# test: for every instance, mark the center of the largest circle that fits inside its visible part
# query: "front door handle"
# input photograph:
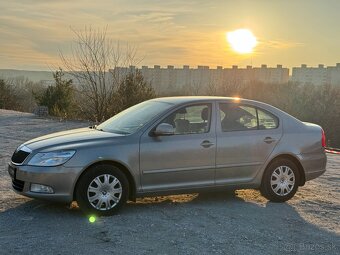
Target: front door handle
(206, 144)
(269, 140)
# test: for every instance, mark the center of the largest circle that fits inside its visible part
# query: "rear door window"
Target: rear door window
(236, 117)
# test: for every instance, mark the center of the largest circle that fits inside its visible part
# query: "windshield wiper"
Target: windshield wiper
(120, 132)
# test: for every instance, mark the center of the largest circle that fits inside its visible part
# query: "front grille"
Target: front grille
(19, 156)
(18, 185)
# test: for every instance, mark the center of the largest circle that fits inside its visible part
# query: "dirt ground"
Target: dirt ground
(240, 222)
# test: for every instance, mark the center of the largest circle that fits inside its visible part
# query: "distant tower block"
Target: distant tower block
(174, 80)
(319, 75)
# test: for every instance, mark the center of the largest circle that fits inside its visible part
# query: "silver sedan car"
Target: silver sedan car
(172, 145)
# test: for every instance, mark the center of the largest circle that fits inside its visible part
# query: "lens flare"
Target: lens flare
(92, 219)
(242, 40)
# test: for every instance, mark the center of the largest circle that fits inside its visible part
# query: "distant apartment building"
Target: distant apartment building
(317, 75)
(170, 79)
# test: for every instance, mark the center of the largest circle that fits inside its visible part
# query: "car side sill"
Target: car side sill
(197, 189)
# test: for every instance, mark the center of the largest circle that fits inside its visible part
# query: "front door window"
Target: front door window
(193, 119)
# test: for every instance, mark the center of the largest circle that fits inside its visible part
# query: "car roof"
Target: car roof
(191, 99)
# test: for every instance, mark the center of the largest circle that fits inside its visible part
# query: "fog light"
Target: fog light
(38, 188)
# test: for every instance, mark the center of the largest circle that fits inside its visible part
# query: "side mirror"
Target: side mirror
(164, 129)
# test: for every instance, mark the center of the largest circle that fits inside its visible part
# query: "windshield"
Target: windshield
(130, 120)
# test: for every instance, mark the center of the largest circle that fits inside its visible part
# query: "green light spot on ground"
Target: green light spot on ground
(92, 219)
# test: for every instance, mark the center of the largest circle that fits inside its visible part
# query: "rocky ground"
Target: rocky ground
(240, 222)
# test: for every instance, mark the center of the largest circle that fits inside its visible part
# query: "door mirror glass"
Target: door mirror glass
(164, 129)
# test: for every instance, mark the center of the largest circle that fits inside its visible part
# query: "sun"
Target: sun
(241, 40)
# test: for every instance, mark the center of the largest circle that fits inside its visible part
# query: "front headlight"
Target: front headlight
(54, 158)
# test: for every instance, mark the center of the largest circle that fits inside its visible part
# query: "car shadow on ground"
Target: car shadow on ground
(197, 223)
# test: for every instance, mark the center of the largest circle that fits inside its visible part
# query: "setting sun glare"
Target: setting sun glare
(241, 40)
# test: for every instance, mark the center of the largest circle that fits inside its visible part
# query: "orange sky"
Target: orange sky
(173, 32)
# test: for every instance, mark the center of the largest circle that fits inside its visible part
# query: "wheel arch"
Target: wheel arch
(295, 160)
(123, 168)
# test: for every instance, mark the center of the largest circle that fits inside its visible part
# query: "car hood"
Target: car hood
(68, 137)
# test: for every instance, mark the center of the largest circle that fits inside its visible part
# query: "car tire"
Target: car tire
(280, 180)
(102, 190)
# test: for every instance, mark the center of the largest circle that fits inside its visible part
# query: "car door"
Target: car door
(186, 158)
(246, 135)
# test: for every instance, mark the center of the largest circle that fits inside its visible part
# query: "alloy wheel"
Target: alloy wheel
(104, 192)
(282, 180)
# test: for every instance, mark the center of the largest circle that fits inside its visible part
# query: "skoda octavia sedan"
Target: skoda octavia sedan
(172, 145)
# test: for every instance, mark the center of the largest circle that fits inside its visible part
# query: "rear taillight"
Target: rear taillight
(323, 138)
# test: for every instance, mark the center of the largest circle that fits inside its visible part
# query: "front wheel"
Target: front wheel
(280, 180)
(102, 190)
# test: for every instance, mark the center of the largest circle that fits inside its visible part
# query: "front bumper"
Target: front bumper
(62, 179)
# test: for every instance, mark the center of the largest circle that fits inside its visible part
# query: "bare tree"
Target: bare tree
(195, 87)
(212, 87)
(232, 86)
(92, 64)
(23, 89)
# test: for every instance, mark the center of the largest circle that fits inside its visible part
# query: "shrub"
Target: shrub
(59, 98)
(8, 98)
(132, 90)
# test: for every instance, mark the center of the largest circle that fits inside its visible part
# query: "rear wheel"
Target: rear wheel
(280, 180)
(102, 190)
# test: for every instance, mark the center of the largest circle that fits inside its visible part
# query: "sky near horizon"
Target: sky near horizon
(177, 32)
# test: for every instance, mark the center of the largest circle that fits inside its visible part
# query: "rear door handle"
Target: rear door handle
(269, 140)
(206, 144)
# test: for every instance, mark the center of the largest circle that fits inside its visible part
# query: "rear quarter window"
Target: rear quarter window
(267, 120)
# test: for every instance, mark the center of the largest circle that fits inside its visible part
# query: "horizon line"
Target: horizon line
(217, 67)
